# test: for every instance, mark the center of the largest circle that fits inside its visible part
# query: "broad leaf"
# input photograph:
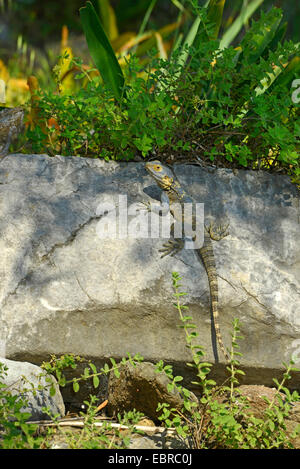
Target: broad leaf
(215, 14)
(101, 50)
(107, 17)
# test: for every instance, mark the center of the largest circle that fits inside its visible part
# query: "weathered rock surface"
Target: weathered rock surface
(142, 388)
(11, 124)
(64, 289)
(161, 440)
(28, 382)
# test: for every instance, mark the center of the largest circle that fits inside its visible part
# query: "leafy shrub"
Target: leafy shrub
(223, 418)
(232, 106)
(15, 431)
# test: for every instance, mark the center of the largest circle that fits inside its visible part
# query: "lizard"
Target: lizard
(174, 195)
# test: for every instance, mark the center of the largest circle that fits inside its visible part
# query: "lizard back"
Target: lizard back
(176, 195)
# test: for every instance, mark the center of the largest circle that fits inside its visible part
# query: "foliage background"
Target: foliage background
(44, 20)
(228, 108)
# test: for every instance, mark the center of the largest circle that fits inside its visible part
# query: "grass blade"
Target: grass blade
(189, 41)
(241, 20)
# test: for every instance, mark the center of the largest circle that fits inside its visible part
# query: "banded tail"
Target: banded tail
(208, 258)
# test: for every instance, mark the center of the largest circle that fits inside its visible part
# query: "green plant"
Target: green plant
(223, 418)
(17, 433)
(236, 104)
(91, 124)
(15, 430)
(91, 436)
(101, 50)
(94, 433)
(56, 366)
(231, 106)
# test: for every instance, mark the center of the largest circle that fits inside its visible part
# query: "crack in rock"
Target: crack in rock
(255, 298)
(70, 239)
(46, 256)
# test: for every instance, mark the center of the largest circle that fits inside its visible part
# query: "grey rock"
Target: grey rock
(63, 289)
(158, 441)
(11, 125)
(142, 388)
(29, 383)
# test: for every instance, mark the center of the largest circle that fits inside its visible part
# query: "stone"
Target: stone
(159, 441)
(142, 388)
(64, 289)
(24, 379)
(11, 125)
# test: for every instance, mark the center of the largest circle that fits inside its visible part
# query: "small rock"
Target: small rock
(21, 378)
(11, 124)
(142, 388)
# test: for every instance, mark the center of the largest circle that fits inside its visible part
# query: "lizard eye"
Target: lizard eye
(157, 167)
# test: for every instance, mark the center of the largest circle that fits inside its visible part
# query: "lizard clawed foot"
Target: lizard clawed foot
(172, 247)
(217, 232)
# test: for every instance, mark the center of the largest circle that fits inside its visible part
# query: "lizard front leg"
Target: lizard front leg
(172, 246)
(159, 208)
(217, 232)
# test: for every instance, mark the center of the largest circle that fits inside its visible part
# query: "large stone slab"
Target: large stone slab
(64, 289)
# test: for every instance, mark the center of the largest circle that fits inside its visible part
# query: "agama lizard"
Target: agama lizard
(174, 195)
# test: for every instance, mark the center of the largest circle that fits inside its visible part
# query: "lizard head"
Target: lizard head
(162, 175)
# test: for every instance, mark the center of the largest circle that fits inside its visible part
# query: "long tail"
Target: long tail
(207, 255)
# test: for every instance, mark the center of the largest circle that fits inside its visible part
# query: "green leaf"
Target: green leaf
(62, 381)
(215, 14)
(75, 386)
(246, 13)
(187, 405)
(185, 50)
(101, 50)
(170, 387)
(96, 381)
(279, 36)
(107, 16)
(260, 35)
(181, 432)
(271, 425)
(291, 70)
(177, 379)
(113, 361)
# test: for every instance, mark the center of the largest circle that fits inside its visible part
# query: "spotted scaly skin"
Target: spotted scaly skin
(176, 195)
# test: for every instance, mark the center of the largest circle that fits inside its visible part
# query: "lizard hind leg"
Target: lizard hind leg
(217, 232)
